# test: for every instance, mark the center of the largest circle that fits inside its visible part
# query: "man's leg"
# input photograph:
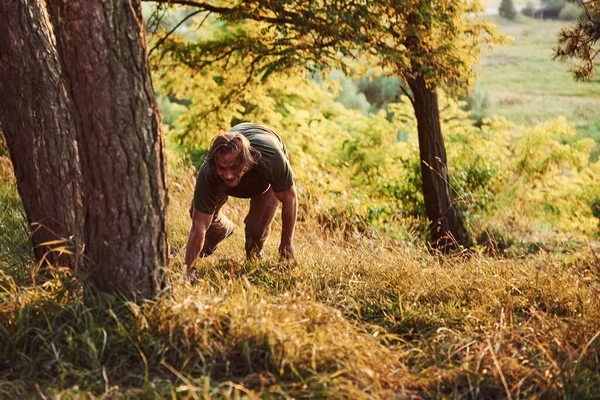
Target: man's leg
(258, 222)
(220, 228)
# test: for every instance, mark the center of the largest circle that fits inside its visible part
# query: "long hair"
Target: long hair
(232, 143)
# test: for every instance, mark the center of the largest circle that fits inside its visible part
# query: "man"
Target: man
(248, 161)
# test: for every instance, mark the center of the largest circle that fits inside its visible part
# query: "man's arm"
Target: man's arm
(289, 210)
(200, 224)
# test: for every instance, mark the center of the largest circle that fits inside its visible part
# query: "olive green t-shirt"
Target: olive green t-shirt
(273, 170)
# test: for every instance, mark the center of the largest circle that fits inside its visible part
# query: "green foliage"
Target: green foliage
(255, 42)
(494, 167)
(372, 150)
(507, 10)
(379, 90)
(349, 94)
(362, 158)
(442, 42)
(372, 161)
(571, 12)
(16, 253)
(553, 4)
(559, 175)
(169, 110)
(478, 104)
(529, 10)
(580, 42)
(552, 8)
(232, 57)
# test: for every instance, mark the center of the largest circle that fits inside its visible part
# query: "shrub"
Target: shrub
(552, 8)
(478, 104)
(571, 12)
(507, 10)
(349, 94)
(169, 110)
(529, 10)
(554, 4)
(379, 90)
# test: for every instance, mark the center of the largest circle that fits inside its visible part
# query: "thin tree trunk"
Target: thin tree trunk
(103, 52)
(447, 227)
(39, 130)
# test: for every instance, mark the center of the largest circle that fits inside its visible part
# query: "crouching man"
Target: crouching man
(249, 161)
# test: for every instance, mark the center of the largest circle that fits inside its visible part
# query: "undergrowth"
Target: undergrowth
(352, 317)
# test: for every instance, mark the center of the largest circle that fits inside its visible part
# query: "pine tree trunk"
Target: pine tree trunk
(102, 47)
(39, 130)
(446, 225)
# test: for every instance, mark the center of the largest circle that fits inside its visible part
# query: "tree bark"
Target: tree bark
(446, 225)
(102, 48)
(39, 131)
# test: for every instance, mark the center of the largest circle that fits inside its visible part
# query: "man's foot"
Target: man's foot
(190, 276)
(255, 255)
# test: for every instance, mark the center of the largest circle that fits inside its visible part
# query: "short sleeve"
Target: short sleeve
(282, 176)
(205, 195)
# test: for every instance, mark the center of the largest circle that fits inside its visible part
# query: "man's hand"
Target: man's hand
(286, 251)
(200, 224)
(289, 210)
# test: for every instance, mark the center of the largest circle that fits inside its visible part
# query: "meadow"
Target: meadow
(367, 309)
(524, 84)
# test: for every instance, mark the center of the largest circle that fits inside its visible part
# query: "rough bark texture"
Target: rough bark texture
(103, 54)
(39, 130)
(447, 228)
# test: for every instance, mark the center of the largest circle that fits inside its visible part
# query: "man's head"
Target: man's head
(230, 157)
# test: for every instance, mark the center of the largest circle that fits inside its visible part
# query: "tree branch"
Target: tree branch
(407, 94)
(198, 4)
(162, 40)
(224, 10)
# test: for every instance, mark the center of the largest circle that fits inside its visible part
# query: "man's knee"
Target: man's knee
(220, 229)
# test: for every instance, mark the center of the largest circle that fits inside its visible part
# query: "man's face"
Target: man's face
(229, 168)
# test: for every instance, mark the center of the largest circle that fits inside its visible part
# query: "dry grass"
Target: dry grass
(351, 318)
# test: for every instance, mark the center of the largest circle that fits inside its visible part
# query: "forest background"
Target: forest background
(368, 310)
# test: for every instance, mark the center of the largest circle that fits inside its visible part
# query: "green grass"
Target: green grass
(526, 86)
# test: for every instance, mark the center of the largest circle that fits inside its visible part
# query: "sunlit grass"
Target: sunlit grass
(351, 318)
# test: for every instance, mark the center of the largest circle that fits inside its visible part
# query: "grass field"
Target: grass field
(352, 318)
(526, 86)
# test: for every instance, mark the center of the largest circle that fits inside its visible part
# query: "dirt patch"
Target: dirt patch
(496, 60)
(510, 101)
